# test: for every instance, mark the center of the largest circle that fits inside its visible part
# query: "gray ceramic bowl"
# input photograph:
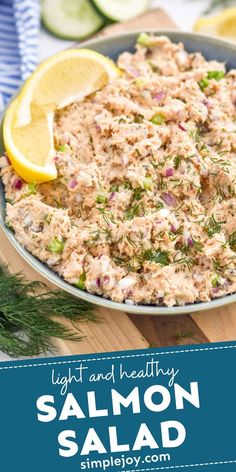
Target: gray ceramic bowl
(212, 49)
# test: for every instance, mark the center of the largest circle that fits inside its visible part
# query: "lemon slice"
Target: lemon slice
(63, 78)
(28, 124)
(223, 24)
(30, 148)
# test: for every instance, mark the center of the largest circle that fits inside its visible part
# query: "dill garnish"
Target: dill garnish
(114, 188)
(189, 262)
(106, 214)
(128, 185)
(177, 160)
(212, 226)
(195, 244)
(159, 205)
(132, 211)
(198, 246)
(157, 256)
(218, 267)
(27, 315)
(130, 241)
(137, 193)
(222, 163)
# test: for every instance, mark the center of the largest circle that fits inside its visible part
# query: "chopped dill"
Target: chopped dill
(128, 185)
(188, 261)
(137, 193)
(177, 160)
(212, 226)
(138, 153)
(196, 244)
(159, 205)
(131, 241)
(114, 188)
(106, 214)
(132, 211)
(161, 184)
(157, 256)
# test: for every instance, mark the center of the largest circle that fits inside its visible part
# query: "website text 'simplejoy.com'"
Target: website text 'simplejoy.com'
(123, 462)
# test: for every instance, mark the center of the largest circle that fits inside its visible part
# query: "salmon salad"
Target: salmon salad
(143, 210)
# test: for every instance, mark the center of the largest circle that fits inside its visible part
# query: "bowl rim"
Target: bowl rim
(54, 278)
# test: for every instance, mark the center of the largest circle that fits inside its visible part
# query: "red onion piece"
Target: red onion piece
(215, 290)
(55, 158)
(159, 96)
(189, 242)
(133, 72)
(98, 128)
(17, 184)
(207, 103)
(181, 126)
(168, 199)
(106, 279)
(169, 172)
(98, 282)
(72, 183)
(173, 228)
(112, 196)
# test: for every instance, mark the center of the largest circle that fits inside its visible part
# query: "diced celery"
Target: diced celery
(81, 281)
(158, 119)
(147, 183)
(56, 246)
(101, 198)
(32, 188)
(145, 39)
(215, 74)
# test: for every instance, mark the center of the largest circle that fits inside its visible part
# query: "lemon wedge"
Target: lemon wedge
(30, 148)
(222, 24)
(28, 125)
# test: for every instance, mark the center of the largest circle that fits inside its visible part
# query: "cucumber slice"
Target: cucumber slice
(71, 19)
(121, 10)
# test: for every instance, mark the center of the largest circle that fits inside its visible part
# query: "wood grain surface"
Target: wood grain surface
(118, 331)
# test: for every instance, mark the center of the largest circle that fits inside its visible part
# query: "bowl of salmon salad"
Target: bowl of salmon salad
(142, 215)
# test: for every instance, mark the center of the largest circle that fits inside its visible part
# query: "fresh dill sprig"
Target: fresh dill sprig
(132, 211)
(28, 312)
(212, 226)
(218, 267)
(107, 215)
(157, 256)
(189, 262)
(137, 193)
(177, 161)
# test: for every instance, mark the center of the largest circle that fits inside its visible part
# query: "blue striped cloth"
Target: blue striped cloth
(19, 32)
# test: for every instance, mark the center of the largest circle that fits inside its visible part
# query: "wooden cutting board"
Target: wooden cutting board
(119, 331)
